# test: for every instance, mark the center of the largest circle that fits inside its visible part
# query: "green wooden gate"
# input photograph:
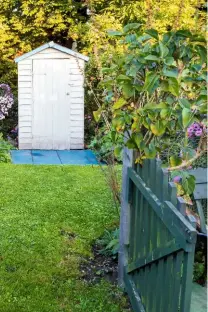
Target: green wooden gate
(159, 253)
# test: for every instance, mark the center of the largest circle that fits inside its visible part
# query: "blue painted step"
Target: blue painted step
(54, 157)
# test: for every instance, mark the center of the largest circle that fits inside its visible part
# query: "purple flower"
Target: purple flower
(190, 132)
(177, 179)
(196, 126)
(198, 133)
(6, 100)
(195, 130)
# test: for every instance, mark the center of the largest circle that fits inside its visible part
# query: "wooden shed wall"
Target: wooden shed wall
(25, 98)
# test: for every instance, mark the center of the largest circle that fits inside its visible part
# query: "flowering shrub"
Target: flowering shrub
(155, 90)
(6, 100)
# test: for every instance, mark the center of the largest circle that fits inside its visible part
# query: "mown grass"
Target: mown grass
(39, 264)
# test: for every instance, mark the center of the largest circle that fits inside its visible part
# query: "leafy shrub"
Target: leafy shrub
(155, 89)
(110, 243)
(5, 147)
(104, 145)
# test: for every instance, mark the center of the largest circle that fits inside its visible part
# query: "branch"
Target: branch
(187, 163)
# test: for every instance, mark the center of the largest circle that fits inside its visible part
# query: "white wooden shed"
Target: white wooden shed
(51, 98)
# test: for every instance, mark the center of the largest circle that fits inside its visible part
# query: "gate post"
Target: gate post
(124, 216)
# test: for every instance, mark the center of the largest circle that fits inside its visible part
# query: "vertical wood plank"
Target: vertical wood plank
(177, 268)
(124, 216)
(160, 284)
(132, 224)
(153, 290)
(172, 190)
(186, 289)
(146, 224)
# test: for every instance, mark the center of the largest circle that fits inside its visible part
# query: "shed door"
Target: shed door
(51, 104)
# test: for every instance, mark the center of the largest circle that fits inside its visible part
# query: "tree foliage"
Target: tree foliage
(26, 24)
(155, 89)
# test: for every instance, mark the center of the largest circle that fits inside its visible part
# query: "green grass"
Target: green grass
(39, 266)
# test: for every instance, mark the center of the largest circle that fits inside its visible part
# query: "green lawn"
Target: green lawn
(39, 266)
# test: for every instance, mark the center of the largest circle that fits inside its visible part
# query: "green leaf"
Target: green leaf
(131, 26)
(150, 151)
(118, 151)
(202, 52)
(114, 33)
(173, 86)
(153, 33)
(131, 144)
(152, 58)
(123, 77)
(175, 161)
(138, 88)
(137, 138)
(184, 33)
(153, 106)
(188, 153)
(164, 86)
(164, 113)
(170, 72)
(188, 184)
(130, 38)
(158, 128)
(151, 81)
(185, 103)
(187, 117)
(128, 89)
(97, 114)
(112, 243)
(169, 60)
(120, 103)
(163, 50)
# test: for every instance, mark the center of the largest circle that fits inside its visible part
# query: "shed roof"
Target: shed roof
(51, 45)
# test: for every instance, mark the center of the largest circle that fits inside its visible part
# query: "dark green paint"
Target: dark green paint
(161, 244)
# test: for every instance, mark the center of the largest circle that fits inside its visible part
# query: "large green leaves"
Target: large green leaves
(97, 114)
(153, 33)
(152, 58)
(170, 72)
(185, 103)
(150, 151)
(120, 103)
(115, 33)
(175, 161)
(130, 27)
(163, 50)
(187, 117)
(158, 128)
(151, 82)
(173, 86)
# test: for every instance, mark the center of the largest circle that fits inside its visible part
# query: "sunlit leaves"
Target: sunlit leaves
(175, 161)
(173, 86)
(130, 27)
(120, 103)
(153, 33)
(158, 128)
(151, 82)
(115, 33)
(163, 50)
(187, 117)
(150, 151)
(97, 114)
